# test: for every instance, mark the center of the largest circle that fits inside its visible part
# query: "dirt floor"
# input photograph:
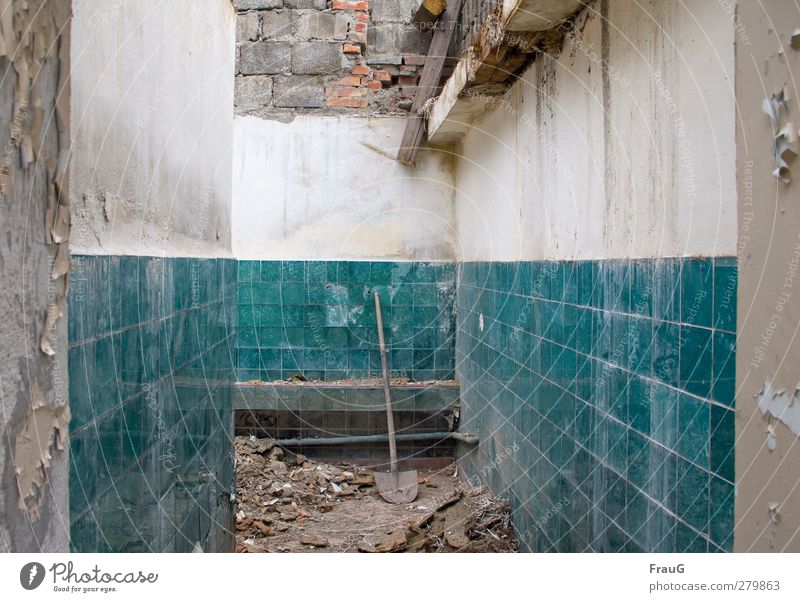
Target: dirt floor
(291, 504)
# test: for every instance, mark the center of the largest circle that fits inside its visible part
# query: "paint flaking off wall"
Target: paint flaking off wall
(779, 404)
(45, 426)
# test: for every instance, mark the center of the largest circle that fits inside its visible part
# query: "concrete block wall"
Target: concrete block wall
(327, 55)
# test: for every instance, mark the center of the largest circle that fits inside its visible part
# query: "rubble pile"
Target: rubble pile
(287, 503)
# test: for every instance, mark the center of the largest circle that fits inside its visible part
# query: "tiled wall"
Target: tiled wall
(317, 318)
(150, 362)
(603, 393)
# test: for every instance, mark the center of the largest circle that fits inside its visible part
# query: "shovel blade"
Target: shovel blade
(397, 487)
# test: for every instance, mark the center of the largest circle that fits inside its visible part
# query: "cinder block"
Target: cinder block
(315, 25)
(393, 11)
(247, 27)
(257, 4)
(381, 39)
(307, 4)
(314, 58)
(252, 92)
(298, 91)
(277, 24)
(413, 41)
(264, 58)
(341, 26)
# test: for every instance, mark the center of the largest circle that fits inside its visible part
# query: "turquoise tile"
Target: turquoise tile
(570, 282)
(721, 510)
(249, 271)
(689, 541)
(293, 271)
(666, 352)
(586, 284)
(642, 273)
(640, 346)
(664, 415)
(616, 281)
(667, 289)
(724, 368)
(696, 360)
(292, 293)
(316, 271)
(269, 271)
(694, 429)
(638, 460)
(640, 399)
(725, 292)
(723, 439)
(693, 495)
(697, 285)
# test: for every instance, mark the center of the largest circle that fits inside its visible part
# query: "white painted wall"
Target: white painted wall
(631, 158)
(152, 115)
(330, 188)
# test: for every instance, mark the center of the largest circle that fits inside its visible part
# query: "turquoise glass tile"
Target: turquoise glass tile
(694, 426)
(696, 360)
(724, 367)
(158, 326)
(614, 404)
(722, 441)
(697, 285)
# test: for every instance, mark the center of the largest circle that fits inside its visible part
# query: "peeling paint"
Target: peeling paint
(45, 427)
(779, 404)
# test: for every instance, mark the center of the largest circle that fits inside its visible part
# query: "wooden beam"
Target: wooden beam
(428, 82)
(428, 14)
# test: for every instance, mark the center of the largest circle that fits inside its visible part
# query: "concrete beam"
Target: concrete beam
(485, 72)
(537, 15)
(459, 105)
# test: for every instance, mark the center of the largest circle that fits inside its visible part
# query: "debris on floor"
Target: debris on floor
(288, 503)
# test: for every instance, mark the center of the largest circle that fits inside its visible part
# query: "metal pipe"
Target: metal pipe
(467, 438)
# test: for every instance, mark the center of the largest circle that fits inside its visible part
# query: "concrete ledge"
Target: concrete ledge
(342, 398)
(537, 15)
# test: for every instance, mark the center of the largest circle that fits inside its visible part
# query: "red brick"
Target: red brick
(348, 103)
(348, 91)
(375, 85)
(348, 80)
(362, 17)
(383, 76)
(361, 27)
(350, 5)
(352, 49)
(407, 80)
(360, 70)
(408, 69)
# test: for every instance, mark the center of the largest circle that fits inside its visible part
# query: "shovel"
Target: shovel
(395, 487)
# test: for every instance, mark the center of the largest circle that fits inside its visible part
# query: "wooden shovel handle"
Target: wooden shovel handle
(386, 393)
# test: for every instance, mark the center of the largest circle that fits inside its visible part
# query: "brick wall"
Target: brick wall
(327, 56)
